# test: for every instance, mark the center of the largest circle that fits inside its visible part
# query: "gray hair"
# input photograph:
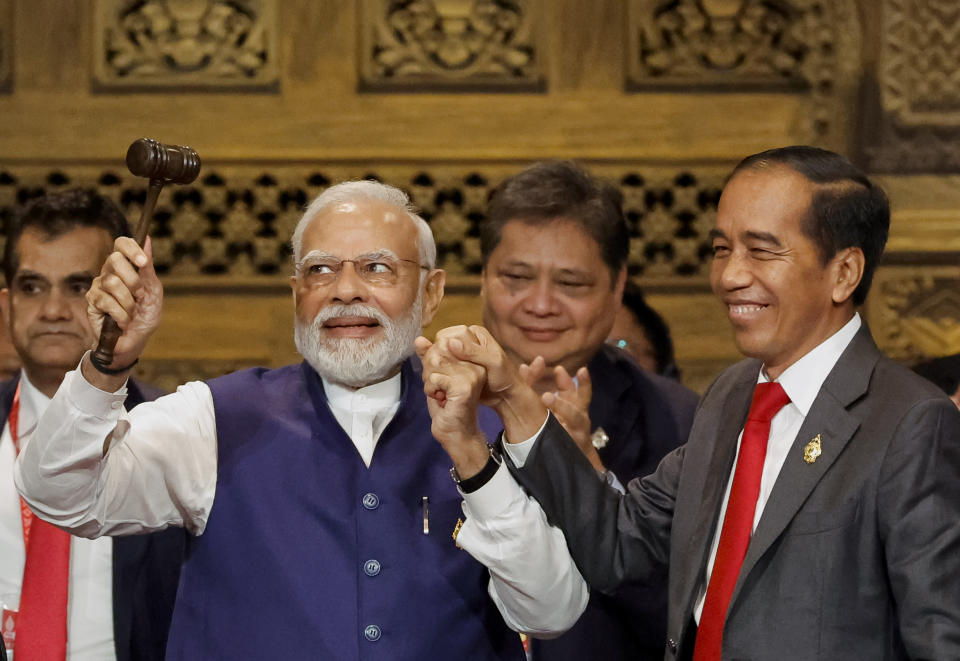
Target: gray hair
(349, 191)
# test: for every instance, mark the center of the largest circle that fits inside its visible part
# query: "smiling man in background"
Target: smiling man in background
(555, 244)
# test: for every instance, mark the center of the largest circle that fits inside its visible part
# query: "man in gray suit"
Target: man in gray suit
(826, 526)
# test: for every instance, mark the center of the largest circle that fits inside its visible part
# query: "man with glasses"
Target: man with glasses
(320, 508)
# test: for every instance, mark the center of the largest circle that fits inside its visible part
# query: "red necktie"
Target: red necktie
(42, 616)
(768, 398)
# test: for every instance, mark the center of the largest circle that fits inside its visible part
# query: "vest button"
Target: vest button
(371, 501)
(372, 633)
(371, 567)
(672, 644)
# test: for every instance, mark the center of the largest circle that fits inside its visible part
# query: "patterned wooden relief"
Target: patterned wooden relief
(237, 220)
(6, 44)
(741, 44)
(918, 76)
(450, 44)
(915, 311)
(146, 44)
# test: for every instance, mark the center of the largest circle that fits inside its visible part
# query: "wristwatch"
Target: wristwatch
(486, 473)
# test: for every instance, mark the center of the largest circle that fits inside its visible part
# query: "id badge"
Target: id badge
(8, 622)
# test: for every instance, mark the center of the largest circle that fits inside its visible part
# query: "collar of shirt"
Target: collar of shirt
(365, 412)
(803, 379)
(32, 405)
(374, 398)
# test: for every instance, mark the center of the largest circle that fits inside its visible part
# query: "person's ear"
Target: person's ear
(619, 285)
(432, 295)
(847, 268)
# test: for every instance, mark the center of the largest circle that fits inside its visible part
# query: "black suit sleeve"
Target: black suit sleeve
(612, 538)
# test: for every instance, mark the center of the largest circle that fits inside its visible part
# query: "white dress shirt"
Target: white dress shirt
(90, 587)
(161, 470)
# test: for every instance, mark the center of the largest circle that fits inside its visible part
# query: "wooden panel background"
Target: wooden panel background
(444, 98)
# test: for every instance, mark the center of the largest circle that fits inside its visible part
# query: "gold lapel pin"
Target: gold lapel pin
(812, 450)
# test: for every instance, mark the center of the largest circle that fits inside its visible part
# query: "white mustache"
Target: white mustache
(352, 310)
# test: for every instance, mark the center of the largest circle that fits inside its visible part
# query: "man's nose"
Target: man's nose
(56, 306)
(541, 299)
(349, 286)
(734, 271)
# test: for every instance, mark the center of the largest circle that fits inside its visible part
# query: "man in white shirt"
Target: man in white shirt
(824, 524)
(320, 507)
(120, 592)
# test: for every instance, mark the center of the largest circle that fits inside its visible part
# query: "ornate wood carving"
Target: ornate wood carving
(450, 44)
(174, 43)
(236, 220)
(917, 101)
(6, 44)
(920, 70)
(699, 42)
(744, 44)
(915, 311)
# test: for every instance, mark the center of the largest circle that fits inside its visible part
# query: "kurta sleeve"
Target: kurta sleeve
(159, 468)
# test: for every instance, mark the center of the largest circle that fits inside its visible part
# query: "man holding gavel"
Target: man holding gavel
(321, 508)
(78, 598)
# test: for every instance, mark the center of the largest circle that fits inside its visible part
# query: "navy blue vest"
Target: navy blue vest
(308, 554)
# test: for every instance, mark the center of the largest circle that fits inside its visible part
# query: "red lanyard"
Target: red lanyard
(26, 515)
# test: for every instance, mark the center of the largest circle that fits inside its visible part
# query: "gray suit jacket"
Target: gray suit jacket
(856, 555)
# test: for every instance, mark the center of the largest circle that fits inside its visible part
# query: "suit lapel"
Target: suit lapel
(609, 385)
(6, 397)
(828, 417)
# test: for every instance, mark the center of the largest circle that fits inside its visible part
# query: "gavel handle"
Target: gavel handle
(110, 332)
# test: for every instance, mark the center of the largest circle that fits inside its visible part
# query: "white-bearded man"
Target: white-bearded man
(321, 508)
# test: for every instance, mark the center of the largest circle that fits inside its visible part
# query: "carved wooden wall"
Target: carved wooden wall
(6, 43)
(175, 45)
(913, 90)
(446, 97)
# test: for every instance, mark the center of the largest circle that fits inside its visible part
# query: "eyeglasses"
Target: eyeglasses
(376, 270)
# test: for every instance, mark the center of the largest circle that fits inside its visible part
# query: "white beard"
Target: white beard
(358, 362)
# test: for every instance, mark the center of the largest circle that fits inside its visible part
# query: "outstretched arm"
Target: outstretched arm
(93, 469)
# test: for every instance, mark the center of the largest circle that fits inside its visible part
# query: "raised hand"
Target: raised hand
(134, 298)
(570, 403)
(453, 390)
(506, 392)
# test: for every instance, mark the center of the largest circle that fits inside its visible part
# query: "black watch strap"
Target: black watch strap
(105, 369)
(486, 474)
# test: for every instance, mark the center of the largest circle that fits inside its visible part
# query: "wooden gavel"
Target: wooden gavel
(160, 163)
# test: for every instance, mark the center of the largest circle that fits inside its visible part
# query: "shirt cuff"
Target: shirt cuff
(614, 482)
(519, 452)
(91, 399)
(495, 496)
